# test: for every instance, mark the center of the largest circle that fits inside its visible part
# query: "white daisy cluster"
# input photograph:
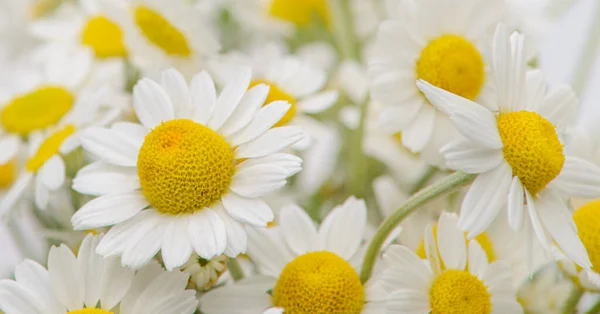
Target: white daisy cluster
(287, 156)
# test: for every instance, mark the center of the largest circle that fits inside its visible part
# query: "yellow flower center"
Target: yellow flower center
(483, 239)
(160, 32)
(459, 292)
(104, 37)
(48, 148)
(587, 220)
(90, 311)
(300, 12)
(37, 109)
(8, 172)
(319, 283)
(531, 147)
(184, 166)
(452, 63)
(276, 93)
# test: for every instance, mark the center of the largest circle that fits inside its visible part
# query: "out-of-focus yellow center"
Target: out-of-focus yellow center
(48, 148)
(587, 220)
(459, 292)
(184, 166)
(90, 311)
(104, 37)
(300, 12)
(39, 8)
(531, 147)
(319, 283)
(36, 110)
(276, 93)
(161, 32)
(8, 173)
(483, 240)
(452, 63)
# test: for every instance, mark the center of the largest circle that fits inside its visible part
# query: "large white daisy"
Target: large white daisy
(457, 279)
(90, 284)
(516, 149)
(191, 175)
(305, 270)
(443, 42)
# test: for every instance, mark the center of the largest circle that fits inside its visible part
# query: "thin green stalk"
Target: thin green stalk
(358, 162)
(571, 304)
(441, 187)
(588, 54)
(235, 269)
(343, 29)
(424, 179)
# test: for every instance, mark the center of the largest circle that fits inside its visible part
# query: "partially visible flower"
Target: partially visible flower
(546, 292)
(205, 273)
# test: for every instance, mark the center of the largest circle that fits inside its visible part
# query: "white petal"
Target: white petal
(16, 299)
(516, 204)
(14, 193)
(175, 86)
(237, 239)
(292, 164)
(108, 210)
(231, 298)
(66, 277)
(318, 103)
(267, 248)
(407, 301)
(263, 121)
(143, 245)
(559, 106)
(42, 194)
(299, 231)
(53, 173)
(431, 250)
(536, 223)
(417, 135)
(152, 105)
(135, 132)
(110, 146)
(252, 211)
(469, 157)
(402, 259)
(343, 230)
(230, 98)
(246, 110)
(35, 278)
(176, 246)
(478, 260)
(579, 177)
(204, 96)
(9, 147)
(115, 241)
(509, 66)
(207, 233)
(536, 90)
(101, 178)
(118, 283)
(272, 141)
(92, 268)
(258, 180)
(451, 242)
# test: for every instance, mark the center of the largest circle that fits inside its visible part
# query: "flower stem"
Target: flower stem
(595, 309)
(441, 187)
(588, 54)
(424, 179)
(343, 29)
(235, 269)
(571, 303)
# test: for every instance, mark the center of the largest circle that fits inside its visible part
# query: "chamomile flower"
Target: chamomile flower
(205, 273)
(458, 279)
(442, 42)
(516, 150)
(164, 33)
(90, 284)
(305, 270)
(191, 175)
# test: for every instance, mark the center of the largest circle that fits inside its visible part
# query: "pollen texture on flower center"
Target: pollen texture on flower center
(36, 110)
(90, 311)
(483, 239)
(531, 147)
(319, 283)
(587, 220)
(454, 64)
(160, 32)
(276, 93)
(459, 292)
(104, 37)
(184, 166)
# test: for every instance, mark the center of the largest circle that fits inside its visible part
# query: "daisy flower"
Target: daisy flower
(191, 175)
(516, 149)
(304, 270)
(442, 42)
(90, 284)
(205, 273)
(163, 33)
(458, 279)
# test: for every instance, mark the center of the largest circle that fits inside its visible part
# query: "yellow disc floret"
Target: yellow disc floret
(276, 93)
(160, 32)
(301, 12)
(459, 292)
(49, 147)
(8, 172)
(104, 37)
(36, 110)
(483, 239)
(319, 283)
(587, 220)
(90, 311)
(531, 147)
(184, 166)
(454, 64)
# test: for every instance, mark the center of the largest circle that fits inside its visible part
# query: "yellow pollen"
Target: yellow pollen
(104, 37)
(454, 64)
(459, 292)
(36, 110)
(8, 173)
(300, 12)
(159, 31)
(587, 220)
(276, 93)
(48, 148)
(531, 147)
(482, 239)
(184, 166)
(319, 283)
(90, 311)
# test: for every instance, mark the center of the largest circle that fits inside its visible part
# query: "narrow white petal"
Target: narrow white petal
(108, 210)
(272, 141)
(509, 68)
(152, 105)
(143, 245)
(405, 301)
(14, 193)
(263, 121)
(110, 146)
(299, 231)
(237, 239)
(417, 135)
(35, 278)
(343, 232)
(9, 147)
(451, 242)
(207, 233)
(536, 223)
(289, 162)
(318, 102)
(16, 299)
(246, 110)
(559, 106)
(42, 194)
(230, 98)
(134, 132)
(258, 180)
(65, 274)
(204, 96)
(176, 88)
(478, 260)
(101, 178)
(469, 157)
(253, 211)
(53, 172)
(116, 239)
(579, 177)
(176, 246)
(516, 204)
(431, 250)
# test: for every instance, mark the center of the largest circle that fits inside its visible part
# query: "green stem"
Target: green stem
(571, 304)
(424, 179)
(235, 269)
(442, 187)
(358, 162)
(595, 309)
(343, 28)
(588, 54)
